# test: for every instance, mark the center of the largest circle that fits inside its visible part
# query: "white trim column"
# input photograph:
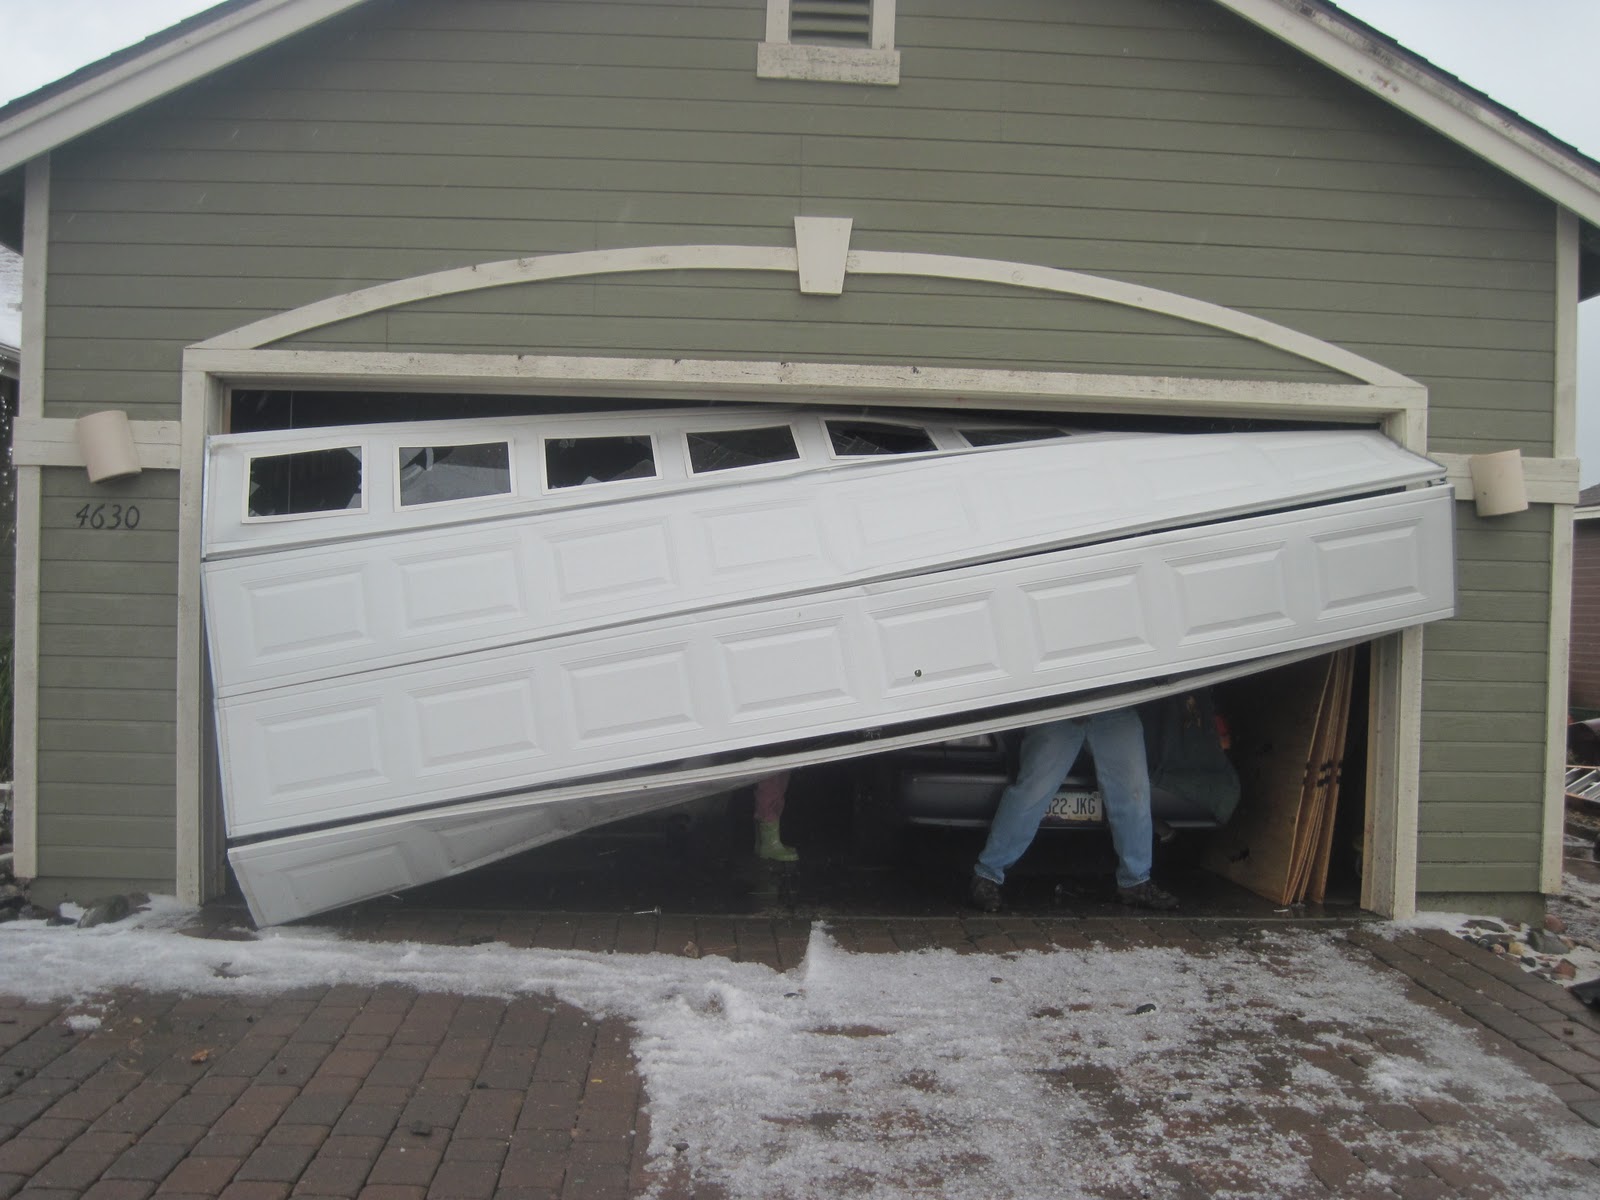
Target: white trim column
(198, 877)
(25, 644)
(1394, 743)
(1565, 445)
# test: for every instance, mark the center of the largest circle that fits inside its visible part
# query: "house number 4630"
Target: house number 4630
(108, 516)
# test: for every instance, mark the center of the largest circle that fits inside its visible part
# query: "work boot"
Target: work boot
(770, 846)
(1147, 895)
(984, 894)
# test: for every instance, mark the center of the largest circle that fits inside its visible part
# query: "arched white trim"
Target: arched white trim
(1095, 287)
(548, 267)
(541, 269)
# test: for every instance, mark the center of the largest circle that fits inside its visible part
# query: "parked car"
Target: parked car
(957, 783)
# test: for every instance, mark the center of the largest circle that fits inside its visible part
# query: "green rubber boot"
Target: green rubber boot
(769, 846)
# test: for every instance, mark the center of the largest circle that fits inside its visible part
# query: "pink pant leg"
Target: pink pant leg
(770, 794)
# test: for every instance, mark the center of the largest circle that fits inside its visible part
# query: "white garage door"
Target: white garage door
(570, 600)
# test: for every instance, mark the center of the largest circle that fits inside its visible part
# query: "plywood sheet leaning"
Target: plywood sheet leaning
(1314, 789)
(1344, 673)
(1274, 718)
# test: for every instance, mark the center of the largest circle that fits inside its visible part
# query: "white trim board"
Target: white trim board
(637, 259)
(53, 442)
(1549, 480)
(25, 629)
(1558, 666)
(818, 383)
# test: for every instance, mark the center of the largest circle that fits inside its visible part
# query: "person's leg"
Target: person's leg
(1117, 740)
(770, 795)
(1048, 752)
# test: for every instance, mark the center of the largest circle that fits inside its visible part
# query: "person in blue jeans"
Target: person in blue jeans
(1048, 752)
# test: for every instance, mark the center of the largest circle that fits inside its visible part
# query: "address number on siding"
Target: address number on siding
(108, 516)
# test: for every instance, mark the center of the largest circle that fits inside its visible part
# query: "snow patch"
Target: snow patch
(924, 1072)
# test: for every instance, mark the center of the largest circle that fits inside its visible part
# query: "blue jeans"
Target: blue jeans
(1048, 752)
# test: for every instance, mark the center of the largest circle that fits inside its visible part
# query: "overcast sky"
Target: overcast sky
(1532, 55)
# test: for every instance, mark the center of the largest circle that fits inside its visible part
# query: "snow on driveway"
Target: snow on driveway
(1062, 1073)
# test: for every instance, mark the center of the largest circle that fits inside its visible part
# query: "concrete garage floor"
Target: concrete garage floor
(698, 861)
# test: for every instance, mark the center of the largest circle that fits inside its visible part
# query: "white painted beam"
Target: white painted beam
(810, 382)
(1550, 480)
(52, 442)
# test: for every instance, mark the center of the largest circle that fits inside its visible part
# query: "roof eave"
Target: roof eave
(169, 64)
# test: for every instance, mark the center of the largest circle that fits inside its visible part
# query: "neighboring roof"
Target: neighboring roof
(1588, 503)
(233, 30)
(10, 361)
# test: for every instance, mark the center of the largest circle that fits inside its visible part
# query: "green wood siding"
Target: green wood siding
(108, 684)
(1160, 142)
(1484, 702)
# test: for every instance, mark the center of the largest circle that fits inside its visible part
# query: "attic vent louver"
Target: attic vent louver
(830, 41)
(831, 22)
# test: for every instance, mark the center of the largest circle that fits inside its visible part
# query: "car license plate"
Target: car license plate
(1075, 808)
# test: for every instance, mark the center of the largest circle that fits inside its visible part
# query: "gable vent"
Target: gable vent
(831, 22)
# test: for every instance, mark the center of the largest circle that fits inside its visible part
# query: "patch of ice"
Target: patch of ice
(916, 1074)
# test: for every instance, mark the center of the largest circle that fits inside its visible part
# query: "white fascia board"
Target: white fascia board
(1434, 101)
(164, 68)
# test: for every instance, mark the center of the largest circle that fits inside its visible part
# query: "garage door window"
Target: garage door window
(438, 474)
(853, 439)
(575, 462)
(1006, 437)
(306, 481)
(729, 449)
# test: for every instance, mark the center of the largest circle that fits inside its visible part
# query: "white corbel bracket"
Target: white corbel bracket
(822, 244)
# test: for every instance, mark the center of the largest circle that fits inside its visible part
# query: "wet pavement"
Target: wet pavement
(386, 1092)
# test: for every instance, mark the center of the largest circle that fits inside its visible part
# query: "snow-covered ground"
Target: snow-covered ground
(1062, 1073)
(1579, 903)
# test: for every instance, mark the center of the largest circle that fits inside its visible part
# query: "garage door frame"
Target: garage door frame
(244, 358)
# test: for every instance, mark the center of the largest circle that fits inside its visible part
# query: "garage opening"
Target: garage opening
(435, 485)
(897, 834)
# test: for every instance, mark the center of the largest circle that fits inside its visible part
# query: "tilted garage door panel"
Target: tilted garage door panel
(843, 660)
(282, 615)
